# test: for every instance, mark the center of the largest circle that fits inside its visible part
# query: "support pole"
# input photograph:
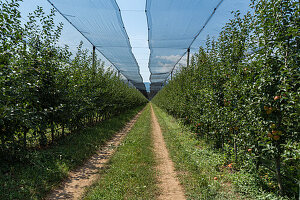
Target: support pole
(188, 57)
(118, 73)
(94, 64)
(171, 74)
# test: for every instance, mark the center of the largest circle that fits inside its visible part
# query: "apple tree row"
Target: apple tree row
(45, 90)
(241, 92)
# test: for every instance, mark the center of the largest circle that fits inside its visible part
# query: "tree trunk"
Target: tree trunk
(52, 132)
(25, 139)
(222, 142)
(43, 139)
(235, 148)
(257, 153)
(278, 173)
(63, 130)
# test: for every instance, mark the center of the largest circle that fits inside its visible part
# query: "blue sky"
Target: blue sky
(135, 22)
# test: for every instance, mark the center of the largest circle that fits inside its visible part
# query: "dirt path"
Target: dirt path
(85, 175)
(168, 183)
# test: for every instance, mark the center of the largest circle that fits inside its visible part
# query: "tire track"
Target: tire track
(73, 187)
(168, 182)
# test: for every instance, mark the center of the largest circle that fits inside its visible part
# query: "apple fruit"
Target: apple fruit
(276, 137)
(277, 97)
(273, 126)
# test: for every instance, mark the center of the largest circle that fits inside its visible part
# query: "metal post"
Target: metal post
(94, 64)
(188, 57)
(171, 74)
(119, 73)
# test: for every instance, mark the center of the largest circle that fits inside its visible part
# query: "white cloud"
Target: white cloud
(170, 58)
(165, 67)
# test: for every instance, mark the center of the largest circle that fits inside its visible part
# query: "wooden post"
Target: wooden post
(188, 57)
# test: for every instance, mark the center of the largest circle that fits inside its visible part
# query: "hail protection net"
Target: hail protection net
(173, 26)
(222, 16)
(100, 22)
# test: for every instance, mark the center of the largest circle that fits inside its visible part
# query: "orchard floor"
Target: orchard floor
(167, 177)
(155, 157)
(168, 186)
(73, 187)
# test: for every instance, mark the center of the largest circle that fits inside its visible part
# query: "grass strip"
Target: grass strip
(130, 173)
(34, 173)
(197, 165)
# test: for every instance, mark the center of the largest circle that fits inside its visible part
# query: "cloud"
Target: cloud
(165, 67)
(170, 58)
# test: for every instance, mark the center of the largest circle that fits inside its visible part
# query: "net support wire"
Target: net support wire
(81, 32)
(195, 37)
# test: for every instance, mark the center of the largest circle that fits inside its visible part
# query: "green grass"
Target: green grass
(32, 174)
(197, 164)
(130, 173)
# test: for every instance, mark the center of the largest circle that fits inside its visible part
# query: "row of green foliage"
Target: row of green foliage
(241, 92)
(36, 172)
(44, 87)
(201, 169)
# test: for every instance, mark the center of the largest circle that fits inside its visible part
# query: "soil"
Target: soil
(169, 185)
(73, 187)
